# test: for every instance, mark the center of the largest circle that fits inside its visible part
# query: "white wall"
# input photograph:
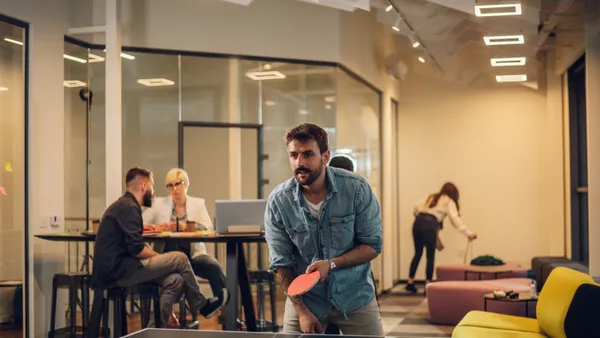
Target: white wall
(501, 146)
(46, 145)
(364, 46)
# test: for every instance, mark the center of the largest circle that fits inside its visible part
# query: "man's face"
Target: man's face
(306, 161)
(148, 193)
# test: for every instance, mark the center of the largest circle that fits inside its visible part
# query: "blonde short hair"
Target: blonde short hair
(177, 174)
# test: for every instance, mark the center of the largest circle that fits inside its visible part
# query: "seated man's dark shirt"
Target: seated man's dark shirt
(118, 242)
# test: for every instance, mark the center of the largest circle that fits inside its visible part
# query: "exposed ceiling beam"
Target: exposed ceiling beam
(551, 24)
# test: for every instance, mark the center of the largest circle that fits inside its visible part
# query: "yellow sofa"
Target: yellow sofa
(552, 306)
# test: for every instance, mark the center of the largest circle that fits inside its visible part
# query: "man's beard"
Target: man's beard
(147, 199)
(309, 176)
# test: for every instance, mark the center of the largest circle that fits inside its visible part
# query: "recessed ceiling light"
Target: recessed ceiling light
(330, 99)
(511, 78)
(327, 106)
(506, 62)
(498, 10)
(16, 42)
(270, 103)
(416, 44)
(3, 89)
(95, 58)
(343, 151)
(504, 40)
(73, 83)
(270, 75)
(155, 82)
(389, 8)
(267, 66)
(73, 58)
(420, 58)
(303, 112)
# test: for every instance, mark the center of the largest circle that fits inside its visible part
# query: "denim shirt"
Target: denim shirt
(350, 216)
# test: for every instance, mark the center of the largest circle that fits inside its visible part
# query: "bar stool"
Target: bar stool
(266, 277)
(118, 296)
(73, 281)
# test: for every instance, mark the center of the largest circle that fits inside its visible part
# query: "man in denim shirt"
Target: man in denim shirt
(328, 220)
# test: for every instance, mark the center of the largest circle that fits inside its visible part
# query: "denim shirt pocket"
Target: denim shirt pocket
(342, 231)
(301, 236)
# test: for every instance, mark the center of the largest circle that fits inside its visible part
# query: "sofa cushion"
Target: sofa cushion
(500, 321)
(482, 332)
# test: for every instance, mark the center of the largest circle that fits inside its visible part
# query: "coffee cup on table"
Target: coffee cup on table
(95, 225)
(190, 226)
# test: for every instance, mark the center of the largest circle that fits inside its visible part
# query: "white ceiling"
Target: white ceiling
(452, 36)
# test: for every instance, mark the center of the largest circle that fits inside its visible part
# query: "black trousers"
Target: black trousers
(425, 230)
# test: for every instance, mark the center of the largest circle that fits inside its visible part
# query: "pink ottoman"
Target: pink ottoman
(450, 301)
(457, 272)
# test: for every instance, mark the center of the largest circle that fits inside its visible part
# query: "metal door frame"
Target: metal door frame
(259, 141)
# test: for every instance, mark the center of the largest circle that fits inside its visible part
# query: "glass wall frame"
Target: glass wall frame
(218, 88)
(14, 179)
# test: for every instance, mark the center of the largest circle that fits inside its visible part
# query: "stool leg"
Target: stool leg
(272, 299)
(157, 315)
(53, 310)
(105, 305)
(117, 320)
(97, 315)
(124, 315)
(85, 305)
(183, 313)
(145, 309)
(73, 309)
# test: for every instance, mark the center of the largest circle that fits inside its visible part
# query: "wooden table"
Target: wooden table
(236, 269)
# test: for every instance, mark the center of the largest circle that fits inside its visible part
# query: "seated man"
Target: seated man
(123, 260)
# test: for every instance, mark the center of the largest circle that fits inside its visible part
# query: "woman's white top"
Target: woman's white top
(444, 207)
(195, 208)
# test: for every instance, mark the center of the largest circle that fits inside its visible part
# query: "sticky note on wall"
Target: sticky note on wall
(2, 191)
(8, 167)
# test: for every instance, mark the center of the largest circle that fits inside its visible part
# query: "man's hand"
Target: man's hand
(321, 266)
(309, 322)
(472, 237)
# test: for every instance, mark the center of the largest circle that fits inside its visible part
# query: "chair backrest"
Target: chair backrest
(582, 317)
(555, 299)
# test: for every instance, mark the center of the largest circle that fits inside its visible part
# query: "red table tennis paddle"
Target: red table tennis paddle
(303, 283)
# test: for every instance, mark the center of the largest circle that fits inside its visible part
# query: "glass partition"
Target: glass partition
(12, 176)
(162, 90)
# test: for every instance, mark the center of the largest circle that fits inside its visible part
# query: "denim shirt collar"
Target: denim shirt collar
(329, 179)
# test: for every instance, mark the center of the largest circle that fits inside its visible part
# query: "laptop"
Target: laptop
(240, 217)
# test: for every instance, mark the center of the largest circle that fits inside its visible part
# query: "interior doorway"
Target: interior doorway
(579, 172)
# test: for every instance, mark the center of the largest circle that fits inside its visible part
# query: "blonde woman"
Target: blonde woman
(164, 213)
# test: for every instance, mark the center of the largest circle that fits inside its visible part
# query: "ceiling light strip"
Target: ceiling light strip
(508, 62)
(511, 78)
(504, 40)
(498, 10)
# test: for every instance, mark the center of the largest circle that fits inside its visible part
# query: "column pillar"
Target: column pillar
(235, 134)
(592, 41)
(114, 144)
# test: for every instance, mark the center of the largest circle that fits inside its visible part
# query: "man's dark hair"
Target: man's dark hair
(309, 131)
(342, 162)
(133, 173)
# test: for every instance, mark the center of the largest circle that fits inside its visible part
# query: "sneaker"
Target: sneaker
(224, 296)
(213, 305)
(411, 288)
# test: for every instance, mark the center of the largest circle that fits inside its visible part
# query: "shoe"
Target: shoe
(224, 296)
(193, 325)
(173, 322)
(411, 288)
(213, 305)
